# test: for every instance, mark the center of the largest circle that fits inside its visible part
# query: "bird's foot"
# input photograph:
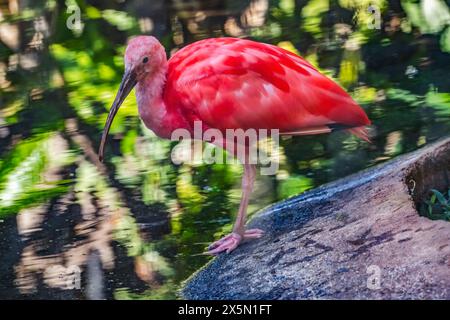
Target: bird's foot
(231, 241)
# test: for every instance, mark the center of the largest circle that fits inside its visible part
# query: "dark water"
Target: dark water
(71, 227)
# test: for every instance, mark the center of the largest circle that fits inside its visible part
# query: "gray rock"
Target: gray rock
(357, 238)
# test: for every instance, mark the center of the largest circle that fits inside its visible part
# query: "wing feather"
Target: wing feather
(236, 83)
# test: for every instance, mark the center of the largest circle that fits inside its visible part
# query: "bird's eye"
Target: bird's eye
(145, 60)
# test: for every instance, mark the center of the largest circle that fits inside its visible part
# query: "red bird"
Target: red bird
(229, 83)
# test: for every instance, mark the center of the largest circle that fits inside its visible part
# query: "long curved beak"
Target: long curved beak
(127, 84)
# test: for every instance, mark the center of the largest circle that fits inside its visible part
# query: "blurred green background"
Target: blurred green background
(135, 227)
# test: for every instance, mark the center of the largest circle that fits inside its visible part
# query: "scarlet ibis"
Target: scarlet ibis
(229, 83)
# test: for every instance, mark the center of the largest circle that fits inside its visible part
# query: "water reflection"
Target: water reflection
(72, 227)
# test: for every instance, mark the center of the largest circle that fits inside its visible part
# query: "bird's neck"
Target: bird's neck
(149, 95)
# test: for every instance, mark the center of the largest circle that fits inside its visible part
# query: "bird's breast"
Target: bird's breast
(156, 115)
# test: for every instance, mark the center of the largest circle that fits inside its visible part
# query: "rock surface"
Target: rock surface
(357, 238)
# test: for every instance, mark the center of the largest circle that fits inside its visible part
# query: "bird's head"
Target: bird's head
(144, 54)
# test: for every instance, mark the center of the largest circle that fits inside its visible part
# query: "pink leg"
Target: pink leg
(231, 241)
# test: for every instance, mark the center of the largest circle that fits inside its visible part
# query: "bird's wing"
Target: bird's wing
(235, 83)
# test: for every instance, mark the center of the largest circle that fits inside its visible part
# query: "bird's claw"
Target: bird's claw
(231, 241)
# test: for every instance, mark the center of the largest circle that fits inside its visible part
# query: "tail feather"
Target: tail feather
(361, 132)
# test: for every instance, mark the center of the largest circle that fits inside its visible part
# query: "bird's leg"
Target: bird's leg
(231, 241)
(248, 180)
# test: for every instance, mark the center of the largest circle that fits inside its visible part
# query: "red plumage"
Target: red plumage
(231, 83)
